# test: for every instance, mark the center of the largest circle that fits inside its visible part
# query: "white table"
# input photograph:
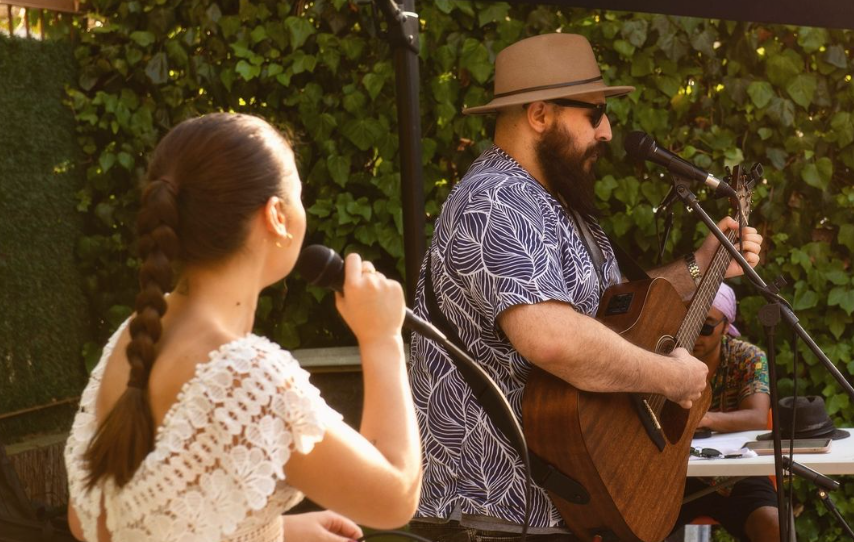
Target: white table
(840, 459)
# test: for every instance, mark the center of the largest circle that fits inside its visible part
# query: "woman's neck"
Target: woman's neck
(225, 296)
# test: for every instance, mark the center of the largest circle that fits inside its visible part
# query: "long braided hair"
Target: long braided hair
(206, 179)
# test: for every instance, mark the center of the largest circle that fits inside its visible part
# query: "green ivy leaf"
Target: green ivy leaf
(374, 84)
(635, 31)
(605, 187)
(837, 403)
(258, 34)
(812, 38)
(760, 93)
(835, 56)
(782, 68)
(846, 236)
(668, 84)
(247, 71)
(157, 69)
(492, 13)
(782, 111)
(642, 65)
(475, 58)
(126, 160)
(339, 169)
(299, 30)
(805, 299)
(811, 176)
(363, 133)
(802, 89)
(143, 39)
(835, 325)
(624, 48)
(106, 161)
(842, 124)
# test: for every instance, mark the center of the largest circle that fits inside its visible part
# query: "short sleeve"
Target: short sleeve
(273, 408)
(753, 365)
(506, 249)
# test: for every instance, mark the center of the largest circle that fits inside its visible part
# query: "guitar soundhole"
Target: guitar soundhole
(665, 345)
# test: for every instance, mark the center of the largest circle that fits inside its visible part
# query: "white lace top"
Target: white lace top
(216, 471)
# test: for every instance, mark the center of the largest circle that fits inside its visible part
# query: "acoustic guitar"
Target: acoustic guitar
(629, 450)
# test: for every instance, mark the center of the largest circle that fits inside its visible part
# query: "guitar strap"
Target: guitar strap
(544, 474)
(628, 266)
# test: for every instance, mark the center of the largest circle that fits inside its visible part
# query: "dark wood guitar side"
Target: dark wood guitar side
(636, 489)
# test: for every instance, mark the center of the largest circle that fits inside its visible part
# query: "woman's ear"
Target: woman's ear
(275, 218)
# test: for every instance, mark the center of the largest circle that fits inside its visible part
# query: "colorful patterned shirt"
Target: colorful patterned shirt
(743, 371)
(501, 240)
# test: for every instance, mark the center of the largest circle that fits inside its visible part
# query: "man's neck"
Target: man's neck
(523, 152)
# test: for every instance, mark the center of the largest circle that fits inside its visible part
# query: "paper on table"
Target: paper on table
(725, 444)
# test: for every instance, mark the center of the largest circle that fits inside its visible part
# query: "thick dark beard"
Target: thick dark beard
(563, 167)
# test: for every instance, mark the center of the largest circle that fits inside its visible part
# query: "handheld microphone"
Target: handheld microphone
(641, 146)
(320, 266)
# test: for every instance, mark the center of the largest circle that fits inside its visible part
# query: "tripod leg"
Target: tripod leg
(824, 496)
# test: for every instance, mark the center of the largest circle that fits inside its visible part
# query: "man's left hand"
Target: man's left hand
(750, 248)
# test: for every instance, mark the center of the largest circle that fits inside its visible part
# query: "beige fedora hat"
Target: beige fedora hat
(545, 67)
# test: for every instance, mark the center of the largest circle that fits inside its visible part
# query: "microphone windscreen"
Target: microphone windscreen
(321, 266)
(638, 144)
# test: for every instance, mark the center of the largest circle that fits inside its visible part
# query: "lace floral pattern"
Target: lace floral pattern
(217, 468)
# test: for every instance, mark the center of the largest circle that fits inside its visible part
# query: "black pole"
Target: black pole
(769, 316)
(403, 30)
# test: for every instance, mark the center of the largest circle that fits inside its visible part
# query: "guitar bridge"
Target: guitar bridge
(650, 422)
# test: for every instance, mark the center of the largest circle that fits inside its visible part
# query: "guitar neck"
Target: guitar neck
(703, 298)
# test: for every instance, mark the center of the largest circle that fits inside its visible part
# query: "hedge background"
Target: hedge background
(718, 92)
(44, 314)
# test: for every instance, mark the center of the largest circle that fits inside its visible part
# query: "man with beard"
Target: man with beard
(517, 266)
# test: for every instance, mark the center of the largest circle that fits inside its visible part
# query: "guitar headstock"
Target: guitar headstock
(743, 181)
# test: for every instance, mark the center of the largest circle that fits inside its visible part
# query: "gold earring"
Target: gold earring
(278, 244)
(289, 236)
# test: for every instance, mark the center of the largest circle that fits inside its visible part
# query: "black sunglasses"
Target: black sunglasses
(595, 117)
(708, 329)
(711, 453)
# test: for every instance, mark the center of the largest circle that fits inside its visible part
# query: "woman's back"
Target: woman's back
(217, 468)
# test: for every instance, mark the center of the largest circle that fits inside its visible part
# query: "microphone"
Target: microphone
(641, 146)
(321, 266)
(807, 473)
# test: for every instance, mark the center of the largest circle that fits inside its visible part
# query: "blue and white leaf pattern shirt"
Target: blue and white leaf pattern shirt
(501, 240)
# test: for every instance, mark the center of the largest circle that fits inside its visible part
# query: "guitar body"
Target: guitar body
(599, 439)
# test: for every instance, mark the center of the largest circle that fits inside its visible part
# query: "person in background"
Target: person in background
(192, 428)
(741, 400)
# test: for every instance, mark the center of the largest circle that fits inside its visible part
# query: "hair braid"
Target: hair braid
(126, 435)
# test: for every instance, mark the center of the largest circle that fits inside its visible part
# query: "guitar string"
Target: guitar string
(688, 331)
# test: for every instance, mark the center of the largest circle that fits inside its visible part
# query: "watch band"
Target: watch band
(693, 268)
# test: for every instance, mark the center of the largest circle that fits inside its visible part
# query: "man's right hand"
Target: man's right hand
(689, 378)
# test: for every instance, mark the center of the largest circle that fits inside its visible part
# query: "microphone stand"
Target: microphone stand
(770, 316)
(824, 485)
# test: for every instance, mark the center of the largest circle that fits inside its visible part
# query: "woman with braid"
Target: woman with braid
(192, 428)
